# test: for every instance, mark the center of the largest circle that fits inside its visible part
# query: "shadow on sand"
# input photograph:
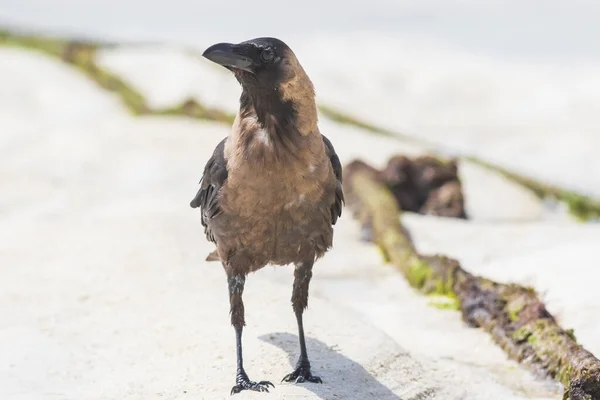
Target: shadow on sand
(340, 371)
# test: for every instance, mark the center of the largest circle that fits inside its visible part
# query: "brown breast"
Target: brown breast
(263, 178)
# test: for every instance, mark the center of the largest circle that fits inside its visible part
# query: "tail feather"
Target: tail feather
(213, 256)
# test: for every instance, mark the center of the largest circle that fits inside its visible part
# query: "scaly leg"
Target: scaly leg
(242, 382)
(302, 276)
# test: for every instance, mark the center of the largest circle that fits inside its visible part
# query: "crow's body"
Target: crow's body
(272, 190)
(276, 213)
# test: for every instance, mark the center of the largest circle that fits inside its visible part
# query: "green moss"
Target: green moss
(565, 373)
(532, 339)
(513, 315)
(445, 302)
(384, 254)
(421, 276)
(419, 272)
(191, 108)
(522, 334)
(52, 47)
(514, 308)
(547, 341)
(584, 208)
(83, 57)
(346, 119)
(446, 286)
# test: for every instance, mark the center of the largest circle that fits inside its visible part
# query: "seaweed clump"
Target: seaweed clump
(424, 184)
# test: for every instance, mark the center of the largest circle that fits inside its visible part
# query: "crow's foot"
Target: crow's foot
(302, 374)
(246, 384)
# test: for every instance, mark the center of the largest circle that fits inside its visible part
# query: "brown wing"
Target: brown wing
(207, 197)
(336, 207)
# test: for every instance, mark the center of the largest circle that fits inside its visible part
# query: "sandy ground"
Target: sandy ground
(105, 293)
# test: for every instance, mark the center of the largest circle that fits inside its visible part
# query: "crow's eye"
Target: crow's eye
(267, 55)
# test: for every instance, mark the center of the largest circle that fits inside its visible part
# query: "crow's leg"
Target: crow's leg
(242, 382)
(302, 276)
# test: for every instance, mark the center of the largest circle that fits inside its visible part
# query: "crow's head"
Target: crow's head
(272, 79)
(262, 61)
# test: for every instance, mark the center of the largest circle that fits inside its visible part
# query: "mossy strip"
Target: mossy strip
(346, 119)
(582, 207)
(513, 315)
(82, 55)
(191, 108)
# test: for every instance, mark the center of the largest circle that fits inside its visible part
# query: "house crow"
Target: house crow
(272, 190)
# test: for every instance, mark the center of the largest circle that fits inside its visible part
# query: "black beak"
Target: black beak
(229, 55)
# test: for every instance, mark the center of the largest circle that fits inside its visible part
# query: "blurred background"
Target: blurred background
(515, 82)
(108, 115)
(553, 31)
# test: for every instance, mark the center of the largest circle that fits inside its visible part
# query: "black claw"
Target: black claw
(302, 375)
(246, 384)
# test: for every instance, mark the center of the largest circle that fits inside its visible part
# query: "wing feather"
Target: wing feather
(336, 207)
(213, 179)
